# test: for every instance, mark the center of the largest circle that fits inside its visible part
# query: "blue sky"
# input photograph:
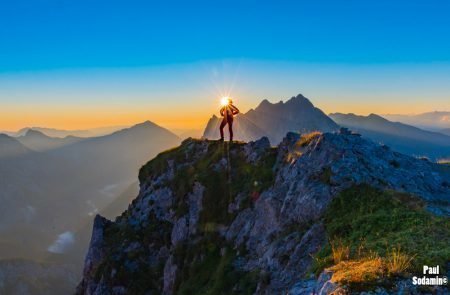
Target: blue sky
(159, 55)
(46, 34)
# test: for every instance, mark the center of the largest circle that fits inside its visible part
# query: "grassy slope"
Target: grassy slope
(371, 223)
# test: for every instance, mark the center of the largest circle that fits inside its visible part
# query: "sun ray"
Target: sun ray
(224, 101)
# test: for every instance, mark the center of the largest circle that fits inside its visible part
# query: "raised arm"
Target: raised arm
(235, 110)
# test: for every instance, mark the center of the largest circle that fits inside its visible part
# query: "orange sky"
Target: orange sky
(185, 96)
(183, 116)
(79, 117)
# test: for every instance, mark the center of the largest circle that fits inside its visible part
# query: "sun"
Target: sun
(224, 101)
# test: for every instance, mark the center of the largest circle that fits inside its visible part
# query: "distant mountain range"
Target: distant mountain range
(401, 137)
(274, 120)
(445, 131)
(50, 188)
(52, 132)
(435, 121)
(11, 147)
(38, 141)
(186, 133)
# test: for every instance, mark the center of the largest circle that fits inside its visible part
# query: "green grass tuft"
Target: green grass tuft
(372, 221)
(208, 271)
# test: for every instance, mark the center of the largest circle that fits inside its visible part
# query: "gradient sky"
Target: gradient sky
(80, 64)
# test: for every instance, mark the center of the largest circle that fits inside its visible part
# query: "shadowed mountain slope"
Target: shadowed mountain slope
(48, 196)
(61, 133)
(430, 121)
(38, 141)
(11, 147)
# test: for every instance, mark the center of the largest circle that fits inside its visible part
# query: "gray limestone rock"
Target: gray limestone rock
(275, 235)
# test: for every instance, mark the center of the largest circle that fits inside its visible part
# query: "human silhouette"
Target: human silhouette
(228, 112)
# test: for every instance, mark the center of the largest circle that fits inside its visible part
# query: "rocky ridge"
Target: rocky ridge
(215, 217)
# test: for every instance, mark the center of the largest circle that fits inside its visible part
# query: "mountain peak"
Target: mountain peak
(299, 101)
(300, 97)
(264, 103)
(147, 123)
(141, 130)
(35, 133)
(375, 116)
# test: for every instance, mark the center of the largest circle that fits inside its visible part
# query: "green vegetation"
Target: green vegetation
(206, 264)
(323, 175)
(223, 181)
(133, 266)
(370, 224)
(224, 184)
(159, 164)
(209, 270)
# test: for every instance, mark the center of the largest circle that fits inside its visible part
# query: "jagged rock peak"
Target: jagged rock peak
(295, 101)
(96, 254)
(300, 100)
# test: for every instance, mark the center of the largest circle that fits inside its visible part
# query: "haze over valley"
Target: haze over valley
(53, 187)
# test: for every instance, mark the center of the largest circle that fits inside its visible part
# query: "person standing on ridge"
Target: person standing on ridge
(228, 111)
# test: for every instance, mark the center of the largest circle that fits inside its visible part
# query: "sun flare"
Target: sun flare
(224, 101)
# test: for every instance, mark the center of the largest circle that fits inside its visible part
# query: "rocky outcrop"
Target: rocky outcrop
(195, 206)
(320, 286)
(94, 257)
(245, 214)
(170, 271)
(179, 231)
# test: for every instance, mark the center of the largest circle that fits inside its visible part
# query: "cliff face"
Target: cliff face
(220, 218)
